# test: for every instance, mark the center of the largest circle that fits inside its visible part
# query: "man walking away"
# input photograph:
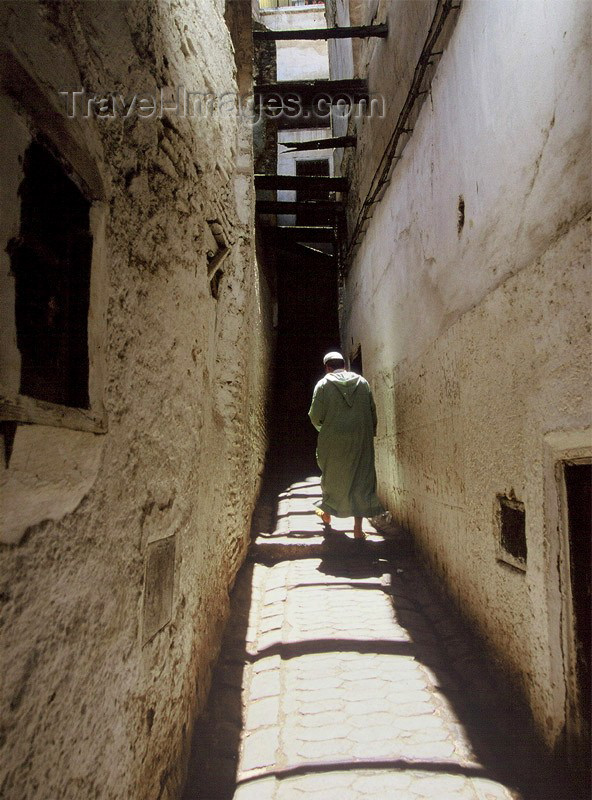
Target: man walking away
(344, 414)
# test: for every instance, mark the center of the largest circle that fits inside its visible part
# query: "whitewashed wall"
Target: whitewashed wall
(476, 340)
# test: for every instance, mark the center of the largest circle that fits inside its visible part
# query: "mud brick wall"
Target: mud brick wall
(124, 526)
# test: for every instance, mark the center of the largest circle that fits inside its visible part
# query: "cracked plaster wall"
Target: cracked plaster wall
(475, 331)
(102, 677)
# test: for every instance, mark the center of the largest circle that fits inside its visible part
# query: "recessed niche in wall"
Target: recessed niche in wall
(578, 495)
(511, 524)
(158, 586)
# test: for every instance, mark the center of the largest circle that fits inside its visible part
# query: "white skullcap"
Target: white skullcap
(333, 356)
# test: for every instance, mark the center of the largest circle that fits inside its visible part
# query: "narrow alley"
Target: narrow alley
(344, 673)
(295, 379)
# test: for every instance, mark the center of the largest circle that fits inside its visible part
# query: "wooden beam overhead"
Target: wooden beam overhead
(300, 94)
(300, 182)
(298, 206)
(305, 121)
(353, 32)
(309, 255)
(303, 233)
(321, 144)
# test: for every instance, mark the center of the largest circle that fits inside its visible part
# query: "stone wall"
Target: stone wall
(469, 296)
(125, 524)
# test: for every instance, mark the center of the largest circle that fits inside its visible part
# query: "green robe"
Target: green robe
(344, 414)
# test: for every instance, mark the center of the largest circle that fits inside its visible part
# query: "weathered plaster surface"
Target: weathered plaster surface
(51, 471)
(93, 705)
(476, 336)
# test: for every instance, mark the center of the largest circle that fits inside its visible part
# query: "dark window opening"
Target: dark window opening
(512, 521)
(51, 263)
(318, 166)
(578, 485)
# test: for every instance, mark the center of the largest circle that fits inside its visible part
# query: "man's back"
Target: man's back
(344, 414)
(342, 402)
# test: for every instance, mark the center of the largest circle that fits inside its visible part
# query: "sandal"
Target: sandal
(326, 518)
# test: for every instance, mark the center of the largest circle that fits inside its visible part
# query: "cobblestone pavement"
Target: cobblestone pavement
(344, 674)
